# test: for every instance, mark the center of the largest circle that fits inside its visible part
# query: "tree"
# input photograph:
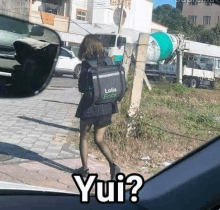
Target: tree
(173, 19)
(161, 12)
(217, 33)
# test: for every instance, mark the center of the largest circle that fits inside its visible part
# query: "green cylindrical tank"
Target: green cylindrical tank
(161, 46)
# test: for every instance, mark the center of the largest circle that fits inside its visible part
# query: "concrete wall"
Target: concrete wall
(15, 8)
(201, 10)
(90, 5)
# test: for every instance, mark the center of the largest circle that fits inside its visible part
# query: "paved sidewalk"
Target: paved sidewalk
(33, 133)
(54, 174)
(37, 127)
(49, 173)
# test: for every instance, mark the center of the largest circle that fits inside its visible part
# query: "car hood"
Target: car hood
(8, 38)
(24, 187)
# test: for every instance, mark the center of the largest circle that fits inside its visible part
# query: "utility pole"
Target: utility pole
(180, 66)
(121, 16)
(139, 77)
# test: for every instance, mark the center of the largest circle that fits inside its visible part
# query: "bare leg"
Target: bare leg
(83, 145)
(98, 138)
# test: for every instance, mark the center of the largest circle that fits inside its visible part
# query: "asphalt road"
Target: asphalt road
(68, 81)
(63, 82)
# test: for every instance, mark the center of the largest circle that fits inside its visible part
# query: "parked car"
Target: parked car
(68, 63)
(9, 33)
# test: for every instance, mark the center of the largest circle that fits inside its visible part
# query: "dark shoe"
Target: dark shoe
(82, 171)
(114, 170)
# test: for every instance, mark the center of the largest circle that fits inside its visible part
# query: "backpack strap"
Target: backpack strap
(92, 63)
(122, 79)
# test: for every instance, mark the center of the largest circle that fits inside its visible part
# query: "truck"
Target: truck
(113, 45)
(198, 70)
(200, 64)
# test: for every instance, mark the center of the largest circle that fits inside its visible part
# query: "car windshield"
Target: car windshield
(75, 50)
(163, 116)
(14, 26)
(107, 40)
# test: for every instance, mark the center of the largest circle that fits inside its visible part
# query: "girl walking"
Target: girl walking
(99, 115)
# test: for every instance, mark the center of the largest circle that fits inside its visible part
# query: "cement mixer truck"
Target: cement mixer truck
(200, 66)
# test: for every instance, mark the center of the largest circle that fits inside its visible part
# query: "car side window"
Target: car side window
(218, 63)
(65, 53)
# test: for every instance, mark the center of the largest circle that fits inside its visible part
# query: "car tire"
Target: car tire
(193, 83)
(213, 85)
(77, 71)
(162, 77)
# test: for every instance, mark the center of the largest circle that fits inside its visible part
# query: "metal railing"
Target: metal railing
(52, 8)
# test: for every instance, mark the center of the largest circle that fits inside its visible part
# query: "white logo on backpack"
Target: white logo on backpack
(112, 90)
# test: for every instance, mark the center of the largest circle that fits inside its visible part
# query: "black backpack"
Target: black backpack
(107, 83)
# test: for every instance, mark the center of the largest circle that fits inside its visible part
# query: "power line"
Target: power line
(80, 26)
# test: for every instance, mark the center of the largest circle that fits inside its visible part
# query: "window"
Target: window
(75, 50)
(107, 40)
(121, 41)
(192, 18)
(193, 2)
(81, 14)
(206, 20)
(65, 53)
(218, 19)
(218, 63)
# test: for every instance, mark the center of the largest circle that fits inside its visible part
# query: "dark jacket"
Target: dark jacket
(85, 108)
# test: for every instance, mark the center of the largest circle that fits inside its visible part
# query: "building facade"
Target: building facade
(104, 17)
(73, 19)
(137, 14)
(200, 12)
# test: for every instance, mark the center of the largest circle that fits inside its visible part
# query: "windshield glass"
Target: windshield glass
(75, 50)
(44, 139)
(202, 62)
(107, 40)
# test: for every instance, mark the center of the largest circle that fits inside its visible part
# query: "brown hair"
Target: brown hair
(90, 46)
